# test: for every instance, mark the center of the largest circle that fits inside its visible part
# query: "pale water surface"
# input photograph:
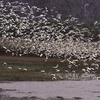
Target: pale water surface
(81, 90)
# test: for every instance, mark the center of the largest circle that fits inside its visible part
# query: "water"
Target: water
(85, 90)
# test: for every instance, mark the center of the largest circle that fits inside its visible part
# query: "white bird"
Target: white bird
(57, 70)
(12, 54)
(46, 59)
(56, 66)
(24, 69)
(92, 69)
(20, 55)
(42, 71)
(60, 77)
(10, 68)
(62, 61)
(8, 51)
(19, 68)
(5, 63)
(95, 23)
(41, 55)
(73, 71)
(98, 78)
(71, 62)
(53, 77)
(9, 4)
(4, 47)
(85, 64)
(66, 71)
(88, 69)
(83, 70)
(69, 66)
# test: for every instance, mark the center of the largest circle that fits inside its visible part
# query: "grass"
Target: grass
(16, 75)
(34, 67)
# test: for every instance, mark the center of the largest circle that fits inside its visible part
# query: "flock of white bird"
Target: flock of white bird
(28, 30)
(5, 64)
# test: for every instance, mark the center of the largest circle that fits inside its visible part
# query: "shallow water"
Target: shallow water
(74, 90)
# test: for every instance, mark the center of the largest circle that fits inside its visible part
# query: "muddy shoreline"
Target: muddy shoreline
(57, 90)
